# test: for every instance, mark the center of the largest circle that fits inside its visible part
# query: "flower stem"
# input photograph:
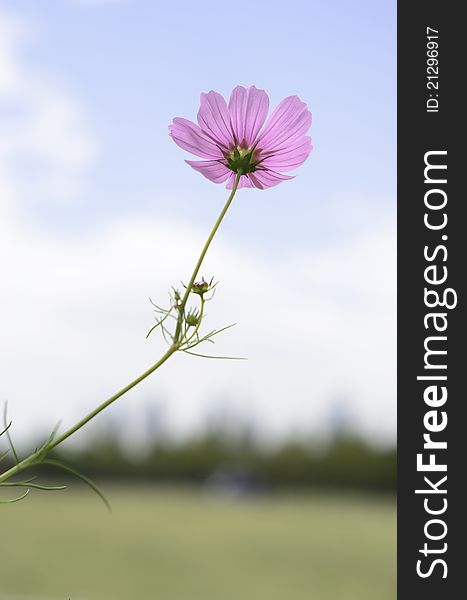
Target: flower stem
(201, 258)
(36, 456)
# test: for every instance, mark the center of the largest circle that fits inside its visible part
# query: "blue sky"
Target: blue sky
(117, 72)
(137, 64)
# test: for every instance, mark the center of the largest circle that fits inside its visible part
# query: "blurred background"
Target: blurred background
(265, 478)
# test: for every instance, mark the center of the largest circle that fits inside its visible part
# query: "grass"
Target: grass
(182, 545)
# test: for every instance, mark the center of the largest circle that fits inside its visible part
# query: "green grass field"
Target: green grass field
(182, 545)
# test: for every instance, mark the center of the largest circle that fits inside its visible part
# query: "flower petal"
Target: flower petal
(248, 109)
(212, 169)
(245, 181)
(189, 136)
(266, 179)
(289, 158)
(214, 119)
(290, 120)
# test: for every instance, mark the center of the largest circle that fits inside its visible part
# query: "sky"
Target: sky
(98, 212)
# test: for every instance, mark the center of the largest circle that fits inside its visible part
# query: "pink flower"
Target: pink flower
(238, 137)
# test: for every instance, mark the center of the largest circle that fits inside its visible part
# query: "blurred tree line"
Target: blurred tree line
(223, 458)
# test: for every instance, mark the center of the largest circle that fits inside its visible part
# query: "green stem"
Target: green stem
(187, 340)
(112, 399)
(30, 460)
(201, 258)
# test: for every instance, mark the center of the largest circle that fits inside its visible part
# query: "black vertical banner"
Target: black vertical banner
(432, 335)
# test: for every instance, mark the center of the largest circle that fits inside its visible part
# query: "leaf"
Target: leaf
(218, 357)
(84, 479)
(160, 322)
(6, 430)
(15, 499)
(27, 483)
(42, 450)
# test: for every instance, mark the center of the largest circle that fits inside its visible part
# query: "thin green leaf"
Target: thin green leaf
(13, 483)
(162, 310)
(37, 486)
(217, 331)
(84, 479)
(211, 334)
(15, 499)
(198, 342)
(213, 293)
(156, 326)
(218, 357)
(166, 333)
(42, 450)
(6, 430)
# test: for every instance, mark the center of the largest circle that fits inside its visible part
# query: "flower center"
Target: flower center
(242, 158)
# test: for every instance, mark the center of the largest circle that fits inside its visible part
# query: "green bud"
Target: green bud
(201, 287)
(192, 319)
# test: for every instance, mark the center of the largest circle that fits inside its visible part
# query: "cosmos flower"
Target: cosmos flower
(237, 137)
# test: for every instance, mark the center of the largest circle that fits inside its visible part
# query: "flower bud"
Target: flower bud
(201, 287)
(192, 319)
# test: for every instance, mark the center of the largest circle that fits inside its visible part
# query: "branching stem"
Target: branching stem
(39, 455)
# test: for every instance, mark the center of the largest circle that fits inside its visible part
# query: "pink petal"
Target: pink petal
(289, 158)
(267, 179)
(245, 181)
(214, 119)
(287, 123)
(212, 169)
(248, 109)
(189, 136)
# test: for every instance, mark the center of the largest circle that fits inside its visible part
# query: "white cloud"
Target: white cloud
(314, 327)
(45, 144)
